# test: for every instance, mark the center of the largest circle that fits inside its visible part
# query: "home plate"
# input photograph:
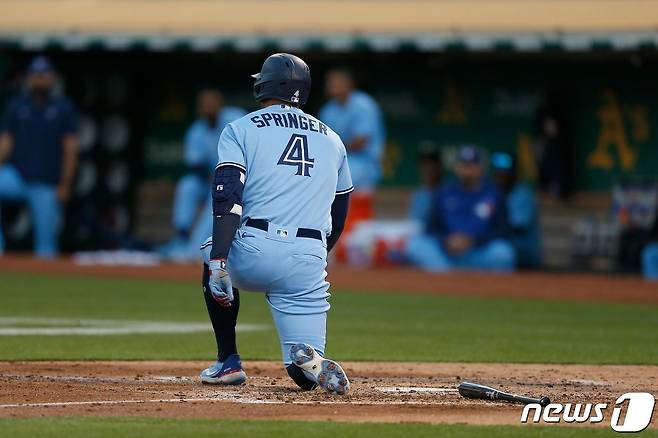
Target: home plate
(415, 389)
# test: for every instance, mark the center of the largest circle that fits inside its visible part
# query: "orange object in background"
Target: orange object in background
(380, 257)
(361, 209)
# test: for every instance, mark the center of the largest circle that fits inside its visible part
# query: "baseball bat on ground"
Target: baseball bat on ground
(473, 390)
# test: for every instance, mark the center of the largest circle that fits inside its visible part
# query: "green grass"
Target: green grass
(369, 326)
(90, 427)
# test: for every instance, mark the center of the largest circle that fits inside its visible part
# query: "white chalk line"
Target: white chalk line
(415, 389)
(25, 326)
(588, 382)
(88, 379)
(221, 398)
(103, 402)
(97, 379)
(186, 379)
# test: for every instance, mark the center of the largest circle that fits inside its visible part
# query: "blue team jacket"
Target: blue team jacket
(481, 214)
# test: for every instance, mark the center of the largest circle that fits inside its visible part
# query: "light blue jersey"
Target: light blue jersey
(360, 116)
(420, 208)
(294, 166)
(523, 218)
(201, 138)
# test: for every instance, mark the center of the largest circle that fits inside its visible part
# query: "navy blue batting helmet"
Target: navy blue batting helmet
(284, 77)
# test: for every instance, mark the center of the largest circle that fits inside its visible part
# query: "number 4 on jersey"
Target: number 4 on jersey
(296, 154)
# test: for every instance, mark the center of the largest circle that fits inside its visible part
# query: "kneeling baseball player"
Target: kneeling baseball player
(280, 197)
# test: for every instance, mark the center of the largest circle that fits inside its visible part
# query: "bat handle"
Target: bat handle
(543, 401)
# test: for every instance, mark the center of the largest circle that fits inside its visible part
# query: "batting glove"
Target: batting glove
(220, 283)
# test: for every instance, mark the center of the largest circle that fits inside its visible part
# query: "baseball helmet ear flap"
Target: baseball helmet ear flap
(284, 77)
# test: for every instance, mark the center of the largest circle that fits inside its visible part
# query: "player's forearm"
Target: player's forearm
(227, 208)
(6, 143)
(70, 160)
(223, 231)
(338, 217)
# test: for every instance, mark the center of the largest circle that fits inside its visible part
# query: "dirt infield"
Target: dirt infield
(381, 392)
(563, 286)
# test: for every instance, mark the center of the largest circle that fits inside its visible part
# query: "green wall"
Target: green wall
(488, 100)
(451, 99)
(612, 108)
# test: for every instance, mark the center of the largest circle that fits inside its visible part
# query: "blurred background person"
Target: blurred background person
(356, 117)
(468, 223)
(193, 189)
(430, 171)
(38, 154)
(650, 254)
(570, 134)
(522, 211)
(554, 147)
(632, 225)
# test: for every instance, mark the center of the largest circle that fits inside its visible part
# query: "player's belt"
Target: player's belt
(262, 224)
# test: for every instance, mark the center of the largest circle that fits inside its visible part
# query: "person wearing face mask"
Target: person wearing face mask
(38, 154)
(193, 189)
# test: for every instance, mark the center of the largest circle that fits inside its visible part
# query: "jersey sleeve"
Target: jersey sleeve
(344, 184)
(229, 149)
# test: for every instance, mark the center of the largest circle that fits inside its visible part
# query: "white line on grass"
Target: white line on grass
(29, 326)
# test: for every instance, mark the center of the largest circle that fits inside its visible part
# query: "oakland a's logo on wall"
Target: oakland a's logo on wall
(295, 97)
